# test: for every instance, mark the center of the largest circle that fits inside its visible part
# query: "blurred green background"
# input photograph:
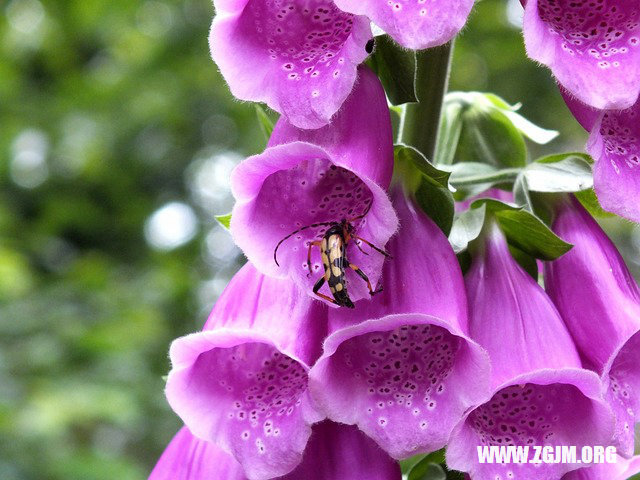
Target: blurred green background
(117, 137)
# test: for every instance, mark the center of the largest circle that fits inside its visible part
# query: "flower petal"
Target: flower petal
(593, 48)
(600, 303)
(622, 379)
(594, 291)
(243, 385)
(334, 452)
(505, 302)
(414, 24)
(547, 407)
(542, 396)
(297, 188)
(343, 452)
(189, 458)
(622, 469)
(360, 136)
(403, 375)
(421, 277)
(307, 188)
(614, 144)
(299, 57)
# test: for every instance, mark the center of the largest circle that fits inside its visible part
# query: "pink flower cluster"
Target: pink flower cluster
(352, 339)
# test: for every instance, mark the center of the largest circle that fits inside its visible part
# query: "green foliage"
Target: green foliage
(567, 172)
(396, 69)
(266, 124)
(467, 227)
(480, 127)
(429, 185)
(224, 220)
(589, 200)
(525, 231)
(428, 467)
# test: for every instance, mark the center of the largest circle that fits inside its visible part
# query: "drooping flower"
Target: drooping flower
(307, 180)
(622, 469)
(334, 452)
(591, 46)
(414, 24)
(400, 366)
(614, 144)
(297, 56)
(190, 458)
(600, 303)
(242, 382)
(541, 396)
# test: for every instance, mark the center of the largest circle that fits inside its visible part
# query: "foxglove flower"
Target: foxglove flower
(334, 452)
(614, 144)
(242, 382)
(541, 396)
(305, 180)
(622, 469)
(298, 56)
(591, 46)
(414, 24)
(600, 303)
(400, 366)
(190, 458)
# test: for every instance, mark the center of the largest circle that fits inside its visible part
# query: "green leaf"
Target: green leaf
(396, 69)
(492, 205)
(408, 463)
(589, 200)
(466, 228)
(417, 467)
(438, 203)
(500, 102)
(472, 178)
(525, 231)
(266, 125)
(449, 133)
(526, 261)
(568, 172)
(224, 220)
(482, 127)
(533, 132)
(429, 185)
(468, 175)
(529, 129)
(490, 137)
(521, 193)
(427, 471)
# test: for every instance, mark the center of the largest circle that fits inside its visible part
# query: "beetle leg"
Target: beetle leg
(377, 249)
(318, 286)
(360, 248)
(318, 244)
(362, 275)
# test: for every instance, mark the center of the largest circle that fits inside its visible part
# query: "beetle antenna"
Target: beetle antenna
(313, 225)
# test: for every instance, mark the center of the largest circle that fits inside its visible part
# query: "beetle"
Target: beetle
(333, 250)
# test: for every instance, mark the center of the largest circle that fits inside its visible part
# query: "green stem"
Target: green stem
(421, 121)
(505, 175)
